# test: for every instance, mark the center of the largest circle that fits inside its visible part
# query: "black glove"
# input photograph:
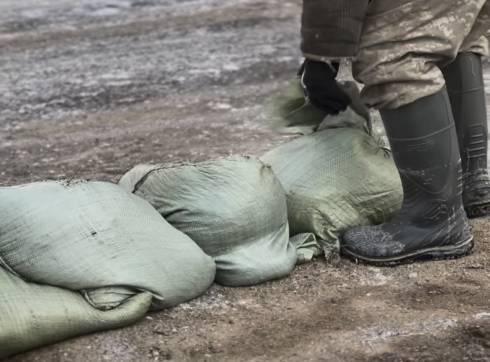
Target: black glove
(321, 88)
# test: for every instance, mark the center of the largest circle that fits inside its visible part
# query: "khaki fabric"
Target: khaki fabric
(403, 43)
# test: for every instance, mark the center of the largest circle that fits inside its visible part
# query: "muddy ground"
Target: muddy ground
(90, 88)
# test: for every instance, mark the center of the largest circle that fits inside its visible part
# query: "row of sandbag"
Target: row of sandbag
(123, 257)
(87, 256)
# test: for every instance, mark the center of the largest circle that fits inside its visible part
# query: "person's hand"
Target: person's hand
(321, 88)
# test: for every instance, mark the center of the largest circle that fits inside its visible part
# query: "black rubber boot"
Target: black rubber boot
(464, 81)
(432, 222)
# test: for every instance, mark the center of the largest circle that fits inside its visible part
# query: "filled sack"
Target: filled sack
(96, 238)
(336, 178)
(234, 209)
(35, 315)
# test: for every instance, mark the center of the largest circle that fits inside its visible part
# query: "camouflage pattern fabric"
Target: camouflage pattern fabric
(404, 43)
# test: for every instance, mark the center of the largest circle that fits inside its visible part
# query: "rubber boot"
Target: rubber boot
(432, 222)
(464, 81)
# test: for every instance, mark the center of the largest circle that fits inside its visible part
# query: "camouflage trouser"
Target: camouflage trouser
(404, 42)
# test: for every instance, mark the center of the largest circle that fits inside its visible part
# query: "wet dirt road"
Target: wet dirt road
(90, 88)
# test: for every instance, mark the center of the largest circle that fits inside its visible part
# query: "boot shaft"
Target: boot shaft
(465, 85)
(425, 149)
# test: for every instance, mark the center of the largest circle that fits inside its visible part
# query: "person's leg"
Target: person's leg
(464, 80)
(432, 221)
(465, 84)
(402, 43)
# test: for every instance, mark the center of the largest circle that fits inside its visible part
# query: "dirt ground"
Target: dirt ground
(90, 88)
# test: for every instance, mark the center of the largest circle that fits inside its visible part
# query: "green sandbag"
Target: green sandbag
(289, 111)
(335, 179)
(235, 209)
(96, 238)
(33, 315)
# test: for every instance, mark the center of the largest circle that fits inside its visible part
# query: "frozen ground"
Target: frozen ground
(90, 88)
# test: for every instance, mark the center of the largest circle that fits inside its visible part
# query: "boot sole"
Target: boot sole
(435, 253)
(476, 211)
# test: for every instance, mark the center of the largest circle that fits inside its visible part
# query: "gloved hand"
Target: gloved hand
(321, 88)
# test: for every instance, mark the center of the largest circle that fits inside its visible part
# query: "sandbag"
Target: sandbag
(336, 178)
(235, 209)
(96, 238)
(33, 315)
(289, 112)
